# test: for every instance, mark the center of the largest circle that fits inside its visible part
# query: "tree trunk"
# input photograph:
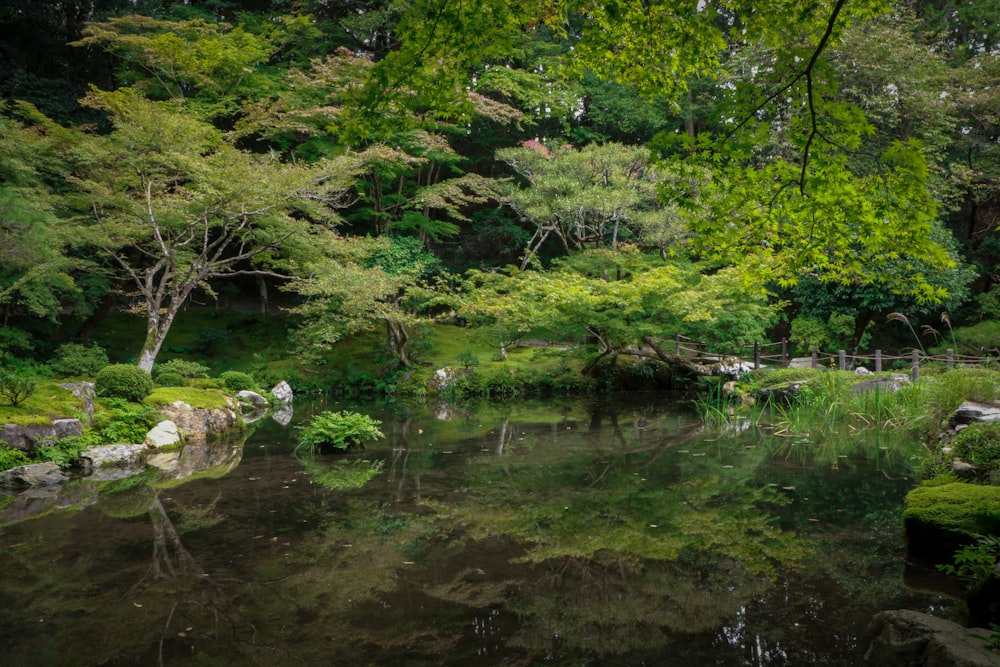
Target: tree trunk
(157, 328)
(262, 287)
(397, 338)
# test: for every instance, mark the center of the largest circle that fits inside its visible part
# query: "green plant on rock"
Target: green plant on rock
(187, 369)
(170, 380)
(17, 388)
(237, 381)
(979, 444)
(123, 381)
(74, 359)
(338, 430)
(11, 458)
(61, 452)
(120, 423)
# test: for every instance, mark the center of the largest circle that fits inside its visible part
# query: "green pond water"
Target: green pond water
(615, 532)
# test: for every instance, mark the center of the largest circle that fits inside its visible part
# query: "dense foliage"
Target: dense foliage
(124, 381)
(338, 430)
(714, 172)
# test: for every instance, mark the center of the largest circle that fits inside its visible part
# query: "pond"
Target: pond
(598, 532)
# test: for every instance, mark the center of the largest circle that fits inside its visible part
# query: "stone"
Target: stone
(801, 362)
(282, 392)
(861, 370)
(108, 456)
(67, 428)
(964, 470)
(781, 392)
(34, 475)
(85, 392)
(201, 422)
(880, 384)
(30, 438)
(252, 399)
(970, 411)
(444, 378)
(163, 434)
(912, 639)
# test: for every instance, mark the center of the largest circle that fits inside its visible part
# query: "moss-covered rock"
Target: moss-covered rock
(941, 518)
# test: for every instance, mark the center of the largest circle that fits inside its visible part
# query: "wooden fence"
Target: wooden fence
(778, 353)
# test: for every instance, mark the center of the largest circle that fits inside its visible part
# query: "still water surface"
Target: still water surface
(574, 533)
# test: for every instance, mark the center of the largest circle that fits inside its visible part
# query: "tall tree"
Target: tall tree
(175, 206)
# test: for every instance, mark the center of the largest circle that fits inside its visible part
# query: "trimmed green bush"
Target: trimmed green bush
(237, 381)
(188, 369)
(123, 381)
(170, 380)
(942, 518)
(339, 430)
(73, 359)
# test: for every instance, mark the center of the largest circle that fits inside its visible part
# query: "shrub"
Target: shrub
(979, 444)
(237, 381)
(11, 458)
(170, 380)
(76, 359)
(17, 388)
(121, 423)
(123, 381)
(468, 359)
(339, 430)
(188, 369)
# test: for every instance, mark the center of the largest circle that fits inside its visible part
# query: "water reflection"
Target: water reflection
(617, 533)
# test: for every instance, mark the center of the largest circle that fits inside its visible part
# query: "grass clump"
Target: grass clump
(339, 430)
(124, 381)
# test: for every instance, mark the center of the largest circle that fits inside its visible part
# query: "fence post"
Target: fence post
(756, 356)
(915, 365)
(842, 360)
(878, 361)
(677, 344)
(784, 352)
(951, 359)
(815, 357)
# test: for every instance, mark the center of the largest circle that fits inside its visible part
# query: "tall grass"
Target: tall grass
(856, 402)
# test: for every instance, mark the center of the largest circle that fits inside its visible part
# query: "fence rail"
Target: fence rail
(688, 347)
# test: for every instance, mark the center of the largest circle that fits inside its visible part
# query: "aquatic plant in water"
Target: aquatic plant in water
(338, 430)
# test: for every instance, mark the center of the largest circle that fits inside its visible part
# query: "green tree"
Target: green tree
(40, 278)
(175, 206)
(629, 303)
(600, 195)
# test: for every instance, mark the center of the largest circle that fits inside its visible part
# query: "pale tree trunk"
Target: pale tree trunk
(157, 328)
(397, 338)
(160, 318)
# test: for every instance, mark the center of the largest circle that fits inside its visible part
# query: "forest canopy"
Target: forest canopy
(651, 168)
